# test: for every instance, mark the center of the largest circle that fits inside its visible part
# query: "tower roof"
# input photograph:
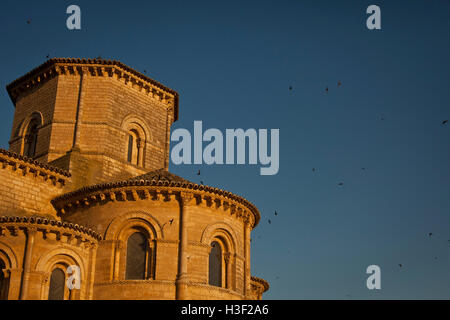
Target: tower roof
(49, 69)
(155, 179)
(159, 175)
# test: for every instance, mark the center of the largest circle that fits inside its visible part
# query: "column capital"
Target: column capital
(31, 230)
(119, 244)
(185, 198)
(227, 257)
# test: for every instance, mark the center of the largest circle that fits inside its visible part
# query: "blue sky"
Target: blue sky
(232, 63)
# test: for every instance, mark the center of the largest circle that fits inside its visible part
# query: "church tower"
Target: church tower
(98, 119)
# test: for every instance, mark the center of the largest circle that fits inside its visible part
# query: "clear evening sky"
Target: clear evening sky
(233, 63)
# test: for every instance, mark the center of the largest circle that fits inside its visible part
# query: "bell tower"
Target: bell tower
(99, 119)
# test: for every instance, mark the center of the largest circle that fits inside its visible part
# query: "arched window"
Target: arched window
(57, 285)
(134, 148)
(3, 282)
(30, 139)
(138, 253)
(215, 264)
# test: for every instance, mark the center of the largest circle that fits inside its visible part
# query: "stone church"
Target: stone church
(88, 208)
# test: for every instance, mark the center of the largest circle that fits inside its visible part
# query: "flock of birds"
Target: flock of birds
(269, 221)
(444, 122)
(435, 258)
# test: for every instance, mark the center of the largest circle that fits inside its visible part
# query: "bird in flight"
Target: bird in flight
(276, 213)
(290, 88)
(198, 173)
(314, 169)
(48, 56)
(326, 89)
(145, 71)
(340, 184)
(444, 122)
(339, 83)
(430, 234)
(400, 265)
(170, 222)
(28, 21)
(270, 222)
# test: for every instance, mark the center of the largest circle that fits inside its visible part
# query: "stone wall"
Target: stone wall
(27, 188)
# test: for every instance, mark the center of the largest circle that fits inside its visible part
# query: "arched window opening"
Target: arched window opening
(134, 148)
(138, 257)
(3, 281)
(57, 285)
(30, 139)
(215, 264)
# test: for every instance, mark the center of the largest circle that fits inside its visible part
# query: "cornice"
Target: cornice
(133, 190)
(33, 167)
(260, 283)
(14, 223)
(94, 67)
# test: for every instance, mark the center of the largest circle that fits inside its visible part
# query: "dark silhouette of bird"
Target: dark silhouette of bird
(28, 21)
(198, 173)
(201, 182)
(326, 89)
(340, 184)
(363, 168)
(270, 222)
(276, 213)
(290, 88)
(430, 234)
(47, 56)
(145, 71)
(339, 83)
(445, 122)
(170, 222)
(400, 265)
(314, 169)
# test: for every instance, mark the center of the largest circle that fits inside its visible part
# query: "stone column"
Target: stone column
(228, 257)
(83, 71)
(117, 253)
(31, 232)
(140, 152)
(90, 283)
(247, 272)
(182, 277)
